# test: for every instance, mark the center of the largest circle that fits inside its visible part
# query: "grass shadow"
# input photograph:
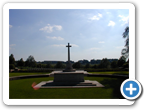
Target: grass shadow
(115, 84)
(122, 73)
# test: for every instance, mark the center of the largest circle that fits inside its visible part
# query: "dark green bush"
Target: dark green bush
(11, 66)
(126, 65)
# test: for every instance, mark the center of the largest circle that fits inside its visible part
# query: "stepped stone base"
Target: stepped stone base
(52, 84)
(68, 80)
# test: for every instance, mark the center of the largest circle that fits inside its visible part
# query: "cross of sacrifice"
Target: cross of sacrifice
(68, 52)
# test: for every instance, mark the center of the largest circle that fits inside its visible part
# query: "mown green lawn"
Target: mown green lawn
(34, 73)
(21, 74)
(22, 89)
(112, 72)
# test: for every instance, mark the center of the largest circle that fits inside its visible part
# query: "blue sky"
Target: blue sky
(93, 33)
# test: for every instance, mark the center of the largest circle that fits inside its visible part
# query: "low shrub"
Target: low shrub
(126, 65)
(11, 66)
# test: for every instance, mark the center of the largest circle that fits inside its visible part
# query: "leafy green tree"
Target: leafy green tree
(114, 64)
(125, 51)
(93, 61)
(21, 62)
(43, 65)
(11, 59)
(95, 66)
(11, 66)
(85, 61)
(125, 65)
(30, 61)
(77, 65)
(59, 65)
(121, 61)
(48, 65)
(87, 65)
(39, 65)
(104, 63)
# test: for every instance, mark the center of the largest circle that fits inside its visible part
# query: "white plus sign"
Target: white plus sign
(131, 89)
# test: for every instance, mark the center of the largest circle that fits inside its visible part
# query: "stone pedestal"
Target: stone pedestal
(69, 77)
(68, 80)
(69, 67)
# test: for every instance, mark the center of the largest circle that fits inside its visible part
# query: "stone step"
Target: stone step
(86, 84)
(52, 84)
(69, 84)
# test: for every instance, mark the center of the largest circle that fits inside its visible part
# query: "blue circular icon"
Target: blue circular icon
(131, 89)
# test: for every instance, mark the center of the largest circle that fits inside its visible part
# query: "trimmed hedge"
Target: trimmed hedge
(105, 69)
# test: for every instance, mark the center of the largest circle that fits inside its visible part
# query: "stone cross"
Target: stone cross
(69, 67)
(68, 51)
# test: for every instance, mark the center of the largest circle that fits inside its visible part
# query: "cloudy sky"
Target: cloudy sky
(93, 33)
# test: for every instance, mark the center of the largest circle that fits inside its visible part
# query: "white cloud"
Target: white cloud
(58, 27)
(111, 23)
(94, 48)
(108, 13)
(58, 45)
(10, 26)
(50, 28)
(100, 15)
(96, 17)
(11, 46)
(120, 47)
(101, 42)
(74, 45)
(124, 19)
(55, 38)
(64, 45)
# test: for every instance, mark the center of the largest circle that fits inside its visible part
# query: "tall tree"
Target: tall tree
(30, 61)
(114, 64)
(121, 61)
(21, 62)
(104, 63)
(11, 59)
(95, 66)
(87, 65)
(93, 61)
(59, 65)
(48, 65)
(39, 65)
(77, 65)
(125, 51)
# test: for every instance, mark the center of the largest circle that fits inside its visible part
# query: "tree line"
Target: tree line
(104, 63)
